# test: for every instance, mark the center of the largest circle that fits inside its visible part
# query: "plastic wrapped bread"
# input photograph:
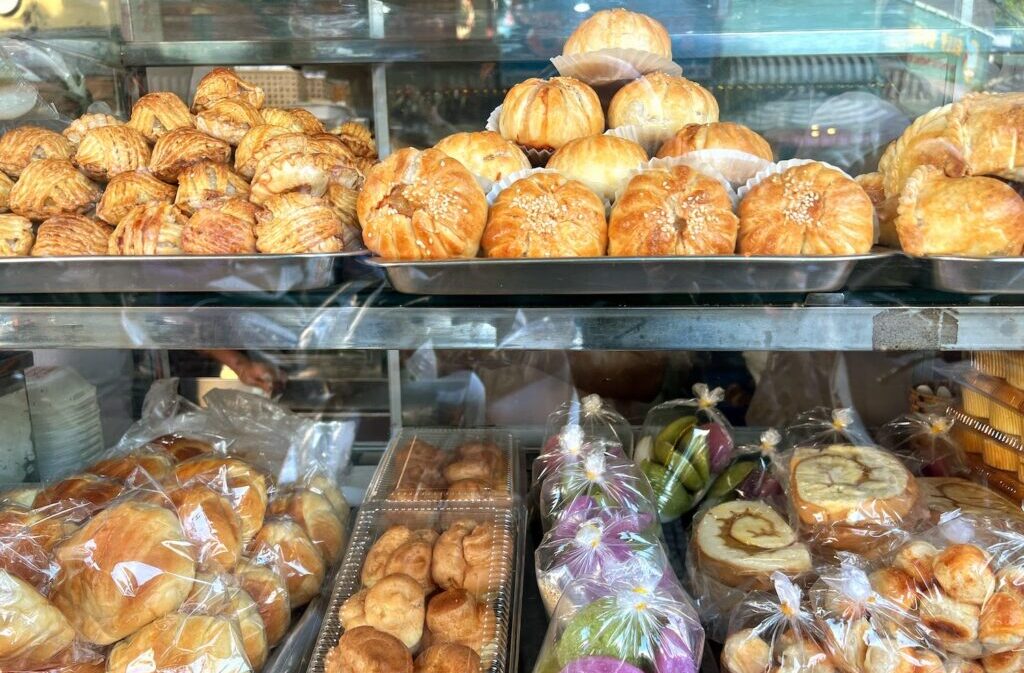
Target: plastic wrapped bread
(597, 420)
(926, 444)
(569, 447)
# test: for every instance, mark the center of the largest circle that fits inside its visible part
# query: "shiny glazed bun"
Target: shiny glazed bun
(602, 163)
(158, 113)
(660, 99)
(546, 114)
(716, 136)
(314, 513)
(484, 153)
(83, 490)
(178, 642)
(619, 29)
(282, 545)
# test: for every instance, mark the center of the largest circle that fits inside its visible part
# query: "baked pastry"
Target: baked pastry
(127, 190)
(125, 567)
(885, 208)
(886, 655)
(395, 605)
(743, 543)
(220, 596)
(352, 612)
(343, 199)
(153, 229)
(308, 173)
(317, 517)
(810, 209)
(223, 83)
(602, 163)
(87, 492)
(716, 136)
(418, 467)
(272, 148)
(1003, 662)
(896, 586)
(455, 616)
(159, 113)
(930, 140)
(481, 461)
(484, 153)
(178, 149)
(850, 497)
(619, 29)
(964, 572)
(917, 559)
(467, 555)
(546, 215)
(26, 538)
(16, 237)
(77, 129)
(71, 235)
(663, 100)
(5, 192)
(421, 205)
(367, 650)
(325, 486)
(34, 632)
(469, 489)
(975, 216)
(293, 119)
(282, 545)
(251, 143)
(229, 120)
(247, 486)
(1001, 625)
(400, 549)
(299, 223)
(946, 494)
(447, 658)
(359, 140)
(182, 448)
(546, 114)
(206, 181)
(50, 187)
(157, 465)
(179, 642)
(270, 593)
(986, 126)
(954, 624)
(23, 145)
(746, 652)
(672, 211)
(108, 151)
(226, 227)
(210, 524)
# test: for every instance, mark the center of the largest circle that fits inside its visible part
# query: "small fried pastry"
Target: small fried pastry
(127, 190)
(16, 237)
(716, 136)
(21, 146)
(546, 114)
(5, 192)
(300, 223)
(224, 83)
(108, 151)
(50, 187)
(619, 29)
(207, 181)
(177, 150)
(71, 236)
(153, 229)
(660, 99)
(293, 119)
(159, 113)
(225, 228)
(250, 144)
(602, 163)
(77, 129)
(484, 153)
(229, 120)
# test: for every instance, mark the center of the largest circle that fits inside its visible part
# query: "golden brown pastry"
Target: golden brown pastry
(619, 29)
(367, 650)
(484, 153)
(1004, 662)
(154, 229)
(447, 658)
(182, 448)
(421, 205)
(546, 114)
(343, 199)
(245, 154)
(673, 211)
(158, 465)
(716, 136)
(455, 616)
(896, 586)
(975, 216)
(602, 163)
(352, 612)
(222, 83)
(211, 525)
(663, 100)
(125, 567)
(77, 129)
(108, 151)
(946, 494)
(1001, 625)
(358, 139)
(300, 223)
(317, 517)
(325, 486)
(469, 489)
(220, 596)
(746, 652)
(26, 538)
(21, 146)
(270, 593)
(400, 549)
(467, 555)
(954, 624)
(229, 120)
(50, 187)
(159, 113)
(87, 491)
(418, 465)
(546, 215)
(179, 642)
(282, 545)
(916, 560)
(293, 119)
(809, 209)
(395, 605)
(964, 573)
(206, 181)
(71, 235)
(16, 237)
(178, 149)
(482, 460)
(5, 192)
(987, 126)
(305, 172)
(885, 208)
(226, 227)
(131, 189)
(929, 141)
(34, 632)
(272, 148)
(247, 486)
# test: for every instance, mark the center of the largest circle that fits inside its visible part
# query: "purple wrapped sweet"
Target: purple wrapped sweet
(674, 649)
(719, 446)
(599, 665)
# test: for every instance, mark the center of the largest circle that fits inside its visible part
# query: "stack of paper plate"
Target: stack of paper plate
(66, 427)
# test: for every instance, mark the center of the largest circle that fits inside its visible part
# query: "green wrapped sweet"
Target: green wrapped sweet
(601, 629)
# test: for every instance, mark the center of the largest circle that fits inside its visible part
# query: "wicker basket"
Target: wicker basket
(283, 85)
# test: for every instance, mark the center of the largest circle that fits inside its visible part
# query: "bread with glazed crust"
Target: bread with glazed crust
(153, 229)
(484, 153)
(23, 145)
(663, 100)
(619, 29)
(602, 163)
(159, 113)
(546, 114)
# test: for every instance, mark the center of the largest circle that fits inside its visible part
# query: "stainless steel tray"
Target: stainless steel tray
(389, 472)
(176, 273)
(624, 275)
(977, 275)
(506, 594)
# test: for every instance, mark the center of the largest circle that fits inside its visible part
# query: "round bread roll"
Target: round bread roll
(484, 153)
(1001, 626)
(178, 642)
(157, 465)
(421, 205)
(71, 235)
(5, 192)
(716, 136)
(211, 524)
(247, 486)
(26, 144)
(270, 593)
(619, 29)
(296, 223)
(546, 215)
(77, 129)
(320, 483)
(222, 83)
(218, 595)
(282, 545)
(663, 100)
(206, 181)
(672, 211)
(895, 585)
(229, 120)
(352, 612)
(32, 632)
(964, 573)
(51, 187)
(294, 119)
(810, 209)
(546, 114)
(973, 216)
(153, 229)
(395, 605)
(183, 448)
(916, 559)
(367, 650)
(159, 113)
(746, 652)
(178, 149)
(26, 538)
(107, 151)
(125, 567)
(16, 237)
(314, 513)
(87, 493)
(227, 227)
(455, 616)
(251, 143)
(602, 163)
(447, 658)
(128, 190)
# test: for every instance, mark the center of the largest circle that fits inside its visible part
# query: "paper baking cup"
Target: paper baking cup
(737, 166)
(506, 182)
(670, 162)
(607, 66)
(538, 158)
(648, 136)
(998, 455)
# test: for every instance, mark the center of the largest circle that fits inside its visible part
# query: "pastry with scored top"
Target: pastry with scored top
(276, 146)
(294, 119)
(16, 237)
(299, 223)
(107, 151)
(988, 127)
(220, 596)
(23, 145)
(304, 172)
(229, 120)
(546, 114)
(34, 632)
(5, 192)
(178, 149)
(546, 215)
(664, 100)
(421, 205)
(716, 135)
(159, 113)
(358, 139)
(50, 187)
(153, 229)
(619, 29)
(484, 153)
(930, 140)
(223, 83)
(77, 129)
(251, 143)
(602, 163)
(207, 181)
(131, 189)
(672, 211)
(224, 227)
(71, 235)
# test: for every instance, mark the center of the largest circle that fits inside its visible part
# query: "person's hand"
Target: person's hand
(259, 375)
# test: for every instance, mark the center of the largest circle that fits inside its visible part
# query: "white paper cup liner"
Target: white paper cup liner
(737, 166)
(607, 66)
(538, 158)
(648, 136)
(485, 183)
(506, 182)
(692, 162)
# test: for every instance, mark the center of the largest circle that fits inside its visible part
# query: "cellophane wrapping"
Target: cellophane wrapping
(567, 447)
(822, 426)
(596, 419)
(750, 474)
(684, 446)
(925, 443)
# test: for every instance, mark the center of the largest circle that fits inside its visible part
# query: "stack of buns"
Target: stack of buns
(474, 470)
(173, 181)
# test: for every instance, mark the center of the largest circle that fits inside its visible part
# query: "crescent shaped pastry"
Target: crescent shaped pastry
(77, 129)
(299, 223)
(602, 163)
(358, 139)
(16, 237)
(296, 172)
(269, 592)
(211, 525)
(317, 517)
(153, 229)
(484, 153)
(207, 181)
(931, 140)
(21, 146)
(546, 215)
(127, 190)
(291, 143)
(221, 596)
(546, 114)
(988, 128)
(251, 143)
(71, 236)
(224, 228)
(229, 120)
(108, 151)
(34, 631)
(224, 83)
(293, 119)
(180, 642)
(657, 98)
(50, 187)
(282, 545)
(177, 150)
(716, 136)
(619, 29)
(159, 113)
(246, 485)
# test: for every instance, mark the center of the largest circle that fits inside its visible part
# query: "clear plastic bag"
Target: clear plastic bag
(569, 446)
(317, 517)
(750, 475)
(684, 445)
(27, 539)
(946, 496)
(822, 426)
(182, 642)
(595, 418)
(33, 633)
(220, 595)
(925, 443)
(282, 545)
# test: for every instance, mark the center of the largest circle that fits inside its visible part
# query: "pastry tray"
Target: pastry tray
(389, 471)
(977, 275)
(505, 595)
(714, 274)
(177, 273)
